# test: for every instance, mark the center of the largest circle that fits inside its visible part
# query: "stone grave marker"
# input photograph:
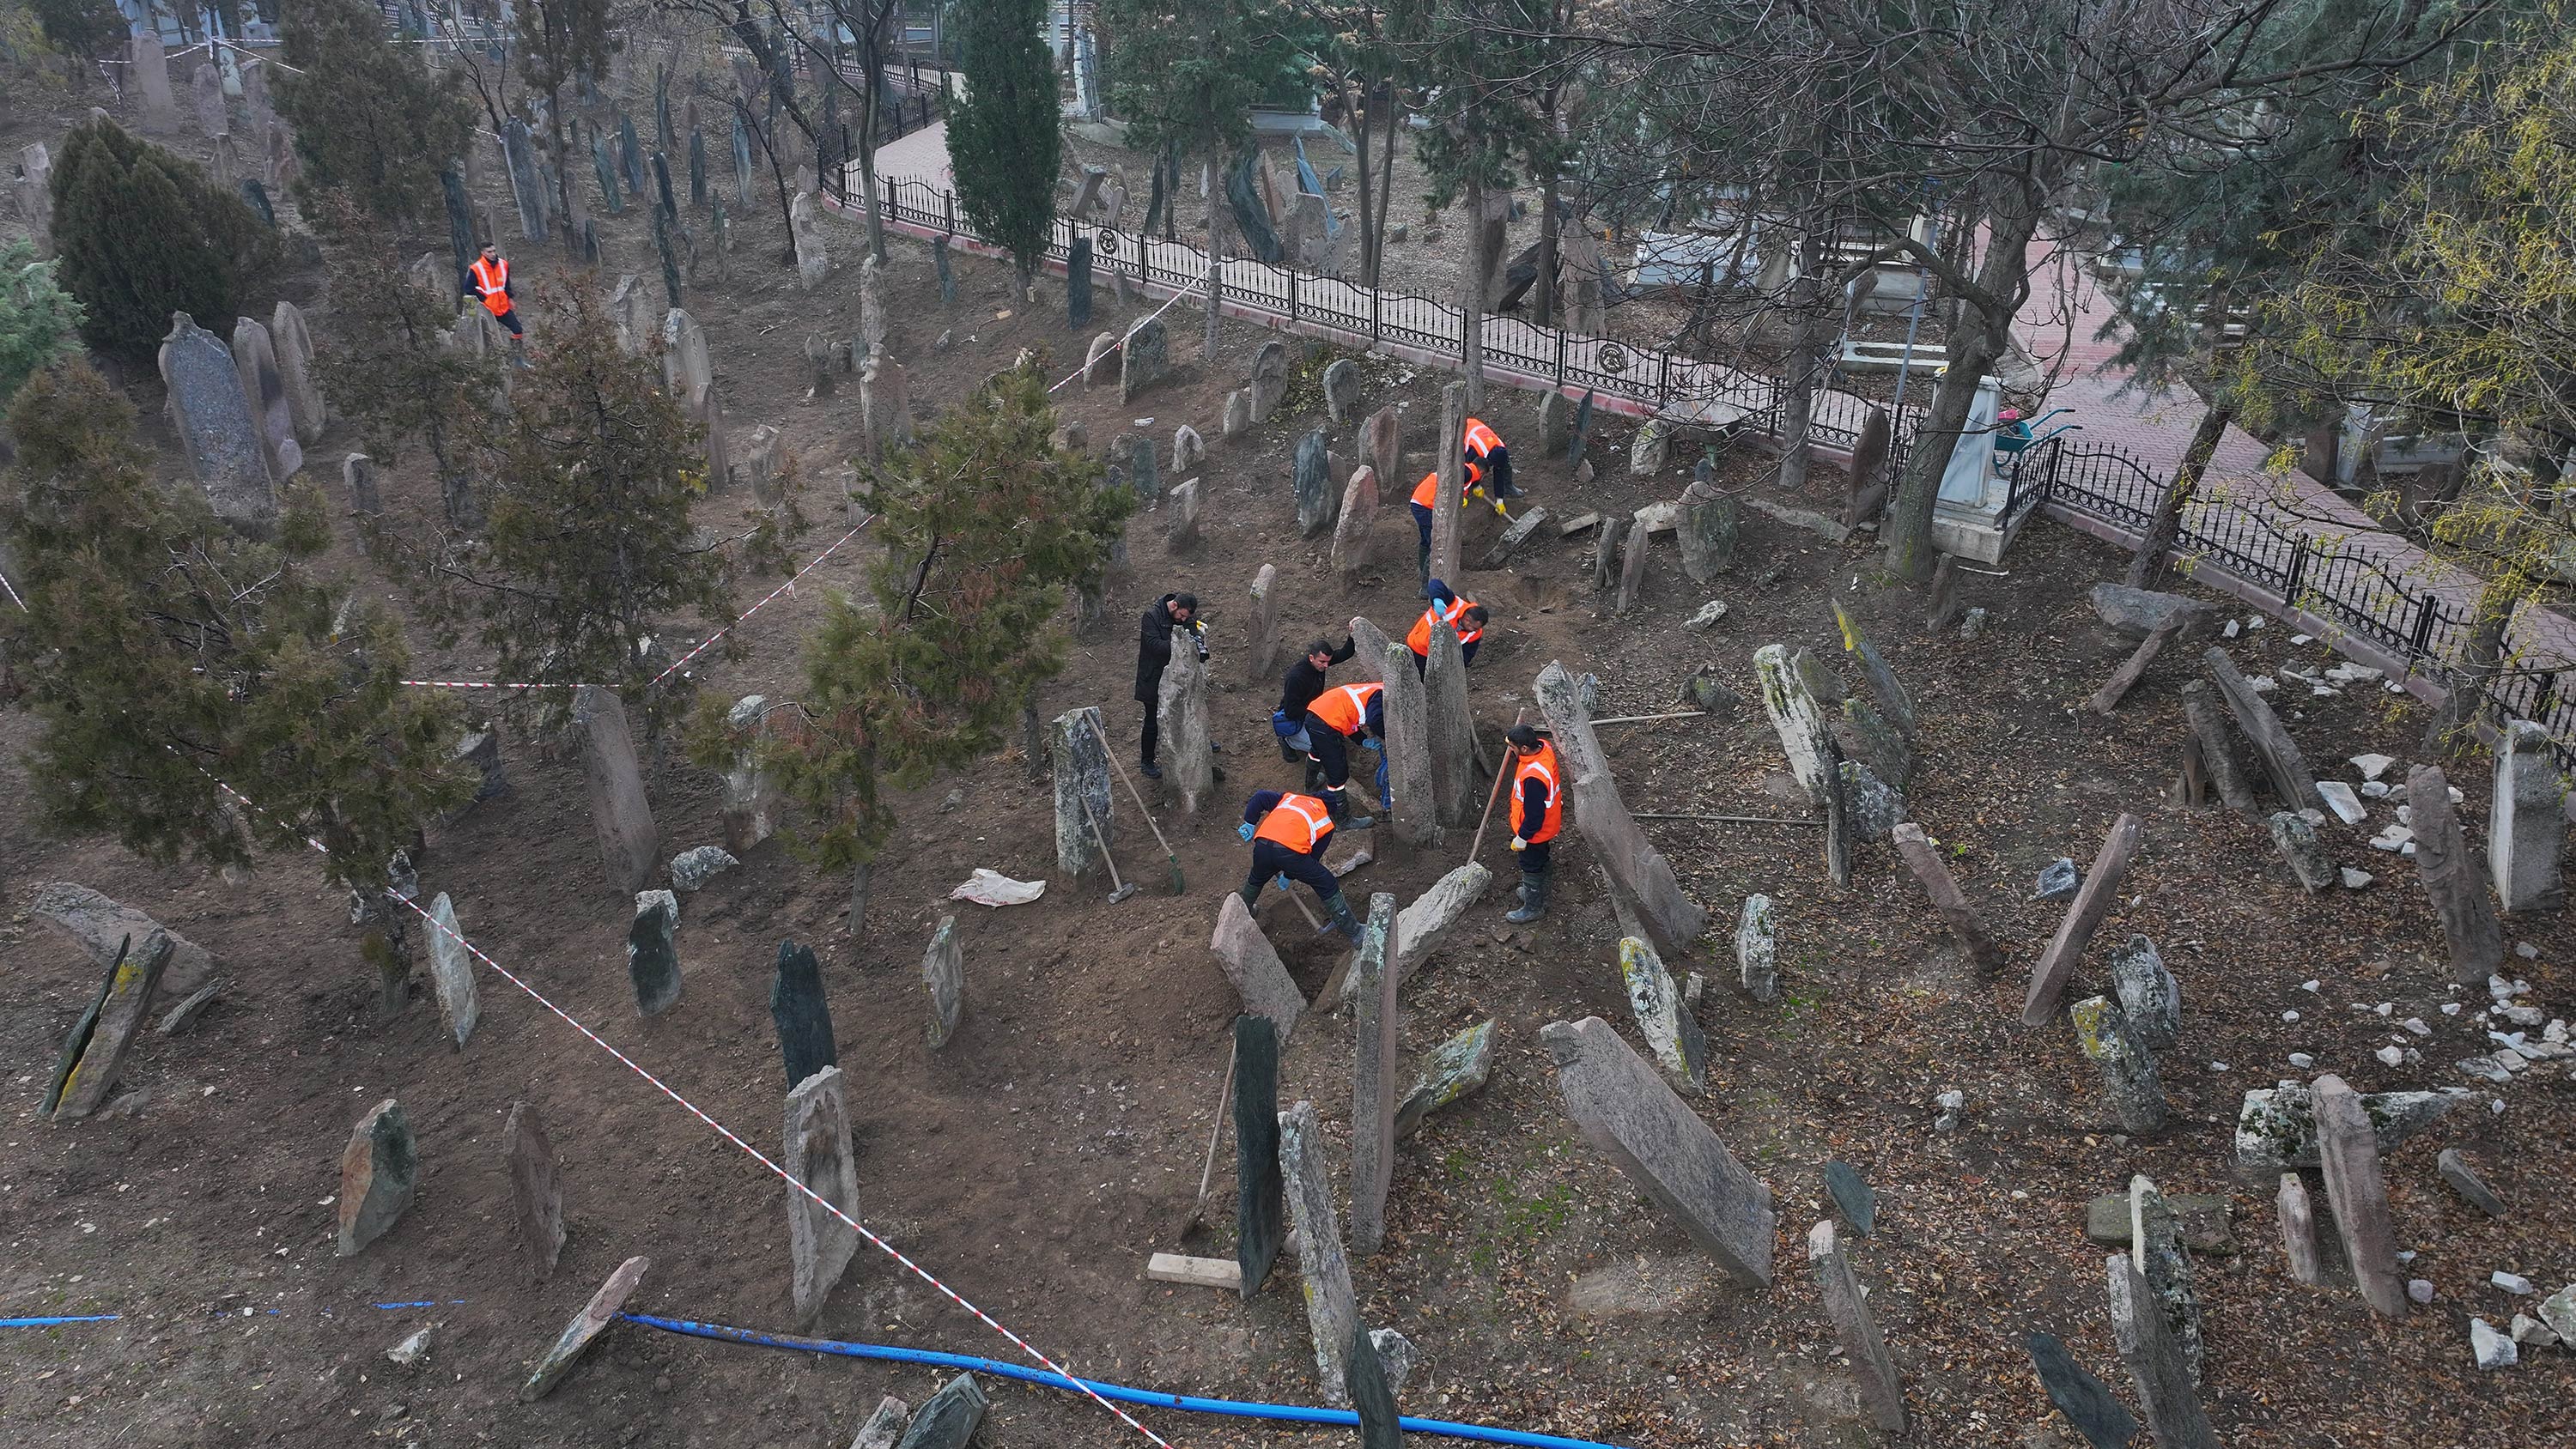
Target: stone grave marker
(1795, 716)
(1261, 654)
(379, 1170)
(804, 1019)
(2086, 1401)
(1144, 358)
(2156, 1363)
(585, 1329)
(1412, 801)
(527, 191)
(151, 69)
(1181, 518)
(943, 973)
(1314, 484)
(1081, 779)
(217, 429)
(294, 346)
(750, 798)
(2282, 763)
(1332, 1310)
(1182, 705)
(2452, 879)
(1382, 447)
(1358, 516)
(2129, 1079)
(1260, 1202)
(652, 952)
(1642, 881)
(2356, 1195)
(1757, 949)
(2298, 1230)
(206, 96)
(1100, 366)
(94, 1057)
(1948, 900)
(951, 1417)
(1671, 1032)
(1857, 1329)
(1455, 1069)
(1448, 525)
(2526, 827)
(1453, 730)
(2308, 858)
(2147, 992)
(1077, 283)
(2276, 1127)
(620, 820)
(1342, 392)
(817, 1154)
(1373, 1074)
(451, 971)
(1269, 386)
(885, 403)
(1188, 448)
(2156, 1250)
(100, 926)
(536, 1188)
(2083, 917)
(1364, 1381)
(805, 228)
(1426, 923)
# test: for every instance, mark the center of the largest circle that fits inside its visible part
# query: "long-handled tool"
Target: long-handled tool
(1499, 775)
(1124, 889)
(1216, 1132)
(1092, 717)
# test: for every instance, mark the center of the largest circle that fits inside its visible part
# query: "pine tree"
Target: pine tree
(370, 117)
(161, 652)
(1002, 138)
(143, 232)
(985, 525)
(589, 549)
(38, 319)
(82, 30)
(389, 370)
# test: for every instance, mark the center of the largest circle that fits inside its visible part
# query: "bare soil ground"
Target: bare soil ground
(1038, 1158)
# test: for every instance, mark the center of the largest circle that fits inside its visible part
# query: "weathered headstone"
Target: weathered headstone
(151, 71)
(805, 227)
(1426, 923)
(527, 190)
(1313, 480)
(1369, 1383)
(2083, 917)
(1144, 357)
(100, 927)
(1332, 1310)
(1077, 283)
(1455, 1069)
(2308, 858)
(379, 1170)
(1707, 535)
(750, 804)
(1649, 1133)
(1448, 522)
(2464, 1180)
(1650, 450)
(1358, 516)
(2298, 1230)
(1260, 1199)
(620, 820)
(1757, 949)
(2526, 826)
(1671, 1032)
(1453, 730)
(2086, 1401)
(1642, 883)
(1183, 709)
(1871, 807)
(1796, 717)
(697, 168)
(821, 368)
(1636, 547)
(451, 971)
(221, 435)
(585, 1329)
(1188, 448)
(2282, 763)
(1411, 798)
(2147, 992)
(1373, 1075)
(1181, 517)
(536, 1188)
(949, 1420)
(94, 1057)
(653, 953)
(1081, 780)
(1237, 416)
(1894, 700)
(1261, 654)
(1934, 876)
(763, 467)
(1368, 651)
(604, 167)
(294, 344)
(1100, 366)
(885, 403)
(1857, 1329)
(2217, 748)
(2156, 1250)
(662, 186)
(2276, 1127)
(1382, 447)
(2157, 1365)
(817, 1154)
(802, 1016)
(686, 373)
(2349, 1153)
(1342, 392)
(206, 96)
(1269, 385)
(2452, 879)
(2129, 1079)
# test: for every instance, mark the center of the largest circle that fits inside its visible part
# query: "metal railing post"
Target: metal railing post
(2298, 571)
(1560, 357)
(948, 206)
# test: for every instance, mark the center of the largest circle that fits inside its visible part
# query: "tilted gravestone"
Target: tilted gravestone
(1313, 480)
(1857, 1328)
(293, 341)
(2452, 879)
(379, 1171)
(817, 1154)
(1249, 961)
(1261, 656)
(2156, 1363)
(1642, 882)
(1083, 823)
(1144, 358)
(1671, 1033)
(1453, 729)
(2357, 1195)
(1410, 797)
(2129, 1079)
(1182, 705)
(1382, 448)
(1373, 1075)
(620, 819)
(94, 1056)
(451, 970)
(1358, 515)
(1332, 1309)
(536, 1188)
(804, 1019)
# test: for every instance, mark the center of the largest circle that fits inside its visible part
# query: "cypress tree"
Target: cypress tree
(37, 317)
(370, 117)
(1002, 138)
(144, 232)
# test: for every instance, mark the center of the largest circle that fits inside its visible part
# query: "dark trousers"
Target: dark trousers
(1498, 472)
(1332, 751)
(1270, 858)
(509, 320)
(1153, 731)
(1534, 857)
(1422, 522)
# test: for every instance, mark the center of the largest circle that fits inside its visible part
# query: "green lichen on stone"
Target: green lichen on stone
(2094, 1029)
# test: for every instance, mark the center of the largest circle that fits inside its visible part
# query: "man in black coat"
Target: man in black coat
(1153, 651)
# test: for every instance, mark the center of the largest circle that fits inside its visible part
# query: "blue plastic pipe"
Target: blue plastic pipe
(1117, 1393)
(50, 1322)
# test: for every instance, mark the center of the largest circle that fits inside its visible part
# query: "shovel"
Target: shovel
(1092, 717)
(1124, 888)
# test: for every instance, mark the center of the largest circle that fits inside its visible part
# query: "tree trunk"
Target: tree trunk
(1386, 176)
(859, 876)
(1806, 357)
(871, 105)
(1033, 745)
(2481, 659)
(1363, 119)
(1471, 299)
(2166, 526)
(1543, 287)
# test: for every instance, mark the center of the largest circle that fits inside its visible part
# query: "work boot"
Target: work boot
(1150, 770)
(1533, 898)
(1288, 755)
(1343, 920)
(1314, 775)
(1251, 894)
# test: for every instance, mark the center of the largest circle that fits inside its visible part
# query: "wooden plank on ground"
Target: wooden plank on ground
(1191, 1272)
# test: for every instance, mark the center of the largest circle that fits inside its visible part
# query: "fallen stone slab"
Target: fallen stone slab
(2358, 1195)
(1933, 874)
(1455, 1069)
(1252, 964)
(2309, 860)
(2464, 1180)
(1422, 926)
(2086, 1401)
(584, 1330)
(884, 1424)
(1857, 1328)
(691, 869)
(94, 1056)
(99, 926)
(2276, 1129)
(1828, 529)
(2205, 1220)
(2139, 613)
(2092, 902)
(2279, 755)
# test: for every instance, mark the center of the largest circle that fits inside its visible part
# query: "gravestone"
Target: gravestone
(379, 1170)
(1709, 525)
(94, 1058)
(451, 971)
(2309, 859)
(151, 70)
(1081, 780)
(1635, 549)
(885, 403)
(817, 1154)
(805, 226)
(1269, 385)
(1630, 1116)
(630, 155)
(638, 321)
(1342, 392)
(949, 1420)
(206, 97)
(1237, 418)
(1605, 558)
(750, 797)
(820, 367)
(1427, 922)
(2349, 1153)
(686, 373)
(1182, 705)
(2129, 1079)
(1931, 873)
(1188, 448)
(99, 927)
(603, 167)
(33, 189)
(652, 952)
(2283, 765)
(2526, 828)
(2452, 879)
(1411, 799)
(1894, 700)
(742, 177)
(873, 319)
(2157, 1365)
(1852, 1196)
(294, 344)
(662, 186)
(1371, 1384)
(2463, 1179)
(1138, 451)
(620, 819)
(1382, 445)
(536, 1188)
(1650, 449)
(2086, 1401)
(1358, 516)
(1314, 484)
(1671, 1033)
(1144, 357)
(584, 1329)
(1332, 1310)
(1260, 1199)
(1100, 366)
(939, 253)
(1368, 652)
(1453, 729)
(2083, 917)
(527, 192)
(1857, 1329)
(1796, 717)
(1757, 949)
(1373, 1074)
(1454, 1069)
(763, 468)
(1871, 807)
(2276, 1127)
(2298, 1230)
(358, 475)
(697, 168)
(2156, 1250)
(1642, 884)
(220, 434)
(1181, 518)
(2147, 992)
(1261, 656)
(800, 1012)
(1077, 283)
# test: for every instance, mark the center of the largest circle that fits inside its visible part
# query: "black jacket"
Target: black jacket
(1154, 647)
(1303, 681)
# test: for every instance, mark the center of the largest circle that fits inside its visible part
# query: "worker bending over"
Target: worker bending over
(1454, 612)
(1288, 833)
(1341, 718)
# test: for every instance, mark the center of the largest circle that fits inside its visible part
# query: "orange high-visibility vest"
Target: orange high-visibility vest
(1481, 440)
(1454, 615)
(1344, 707)
(492, 283)
(1426, 494)
(1299, 822)
(1541, 766)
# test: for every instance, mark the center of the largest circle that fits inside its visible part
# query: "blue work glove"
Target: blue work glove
(1283, 880)
(1372, 743)
(1244, 831)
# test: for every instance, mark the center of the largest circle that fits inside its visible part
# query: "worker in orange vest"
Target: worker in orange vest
(1538, 811)
(1341, 717)
(1461, 616)
(491, 273)
(1425, 494)
(1488, 458)
(1287, 833)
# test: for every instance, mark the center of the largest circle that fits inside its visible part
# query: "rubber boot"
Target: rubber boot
(1251, 894)
(1343, 920)
(1533, 898)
